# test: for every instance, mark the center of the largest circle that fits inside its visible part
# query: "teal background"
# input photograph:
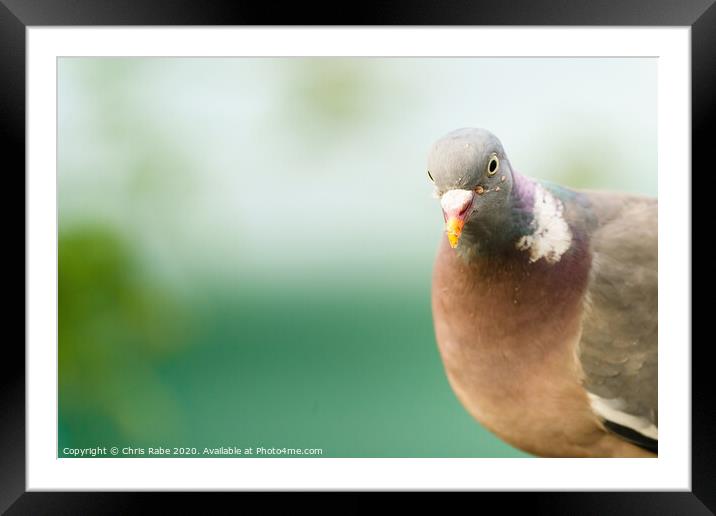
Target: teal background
(245, 245)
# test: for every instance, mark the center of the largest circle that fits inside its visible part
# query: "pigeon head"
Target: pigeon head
(473, 179)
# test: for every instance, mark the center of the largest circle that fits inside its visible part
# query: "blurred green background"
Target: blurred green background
(245, 245)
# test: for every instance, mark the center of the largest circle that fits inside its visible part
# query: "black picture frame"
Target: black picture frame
(17, 15)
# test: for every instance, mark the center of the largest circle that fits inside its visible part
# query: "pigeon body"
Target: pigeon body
(545, 305)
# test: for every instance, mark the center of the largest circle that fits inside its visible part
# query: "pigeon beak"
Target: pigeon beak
(457, 207)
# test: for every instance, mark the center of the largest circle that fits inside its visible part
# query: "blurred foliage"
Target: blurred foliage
(333, 89)
(328, 98)
(114, 325)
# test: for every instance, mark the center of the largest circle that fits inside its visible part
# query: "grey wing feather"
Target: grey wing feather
(618, 347)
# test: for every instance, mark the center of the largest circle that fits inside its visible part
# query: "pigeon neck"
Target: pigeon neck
(497, 232)
(522, 194)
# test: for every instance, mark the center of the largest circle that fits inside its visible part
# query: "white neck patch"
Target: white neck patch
(551, 236)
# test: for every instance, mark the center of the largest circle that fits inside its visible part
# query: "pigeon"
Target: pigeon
(544, 303)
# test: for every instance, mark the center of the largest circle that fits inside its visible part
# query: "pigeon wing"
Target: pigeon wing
(618, 347)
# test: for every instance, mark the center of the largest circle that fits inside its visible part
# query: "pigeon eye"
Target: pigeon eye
(492, 166)
(431, 177)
